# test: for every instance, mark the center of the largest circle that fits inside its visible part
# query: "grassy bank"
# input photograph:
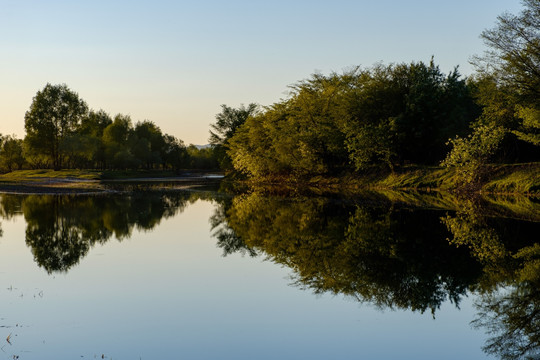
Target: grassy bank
(499, 179)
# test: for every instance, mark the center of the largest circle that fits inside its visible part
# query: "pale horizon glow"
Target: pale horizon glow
(176, 62)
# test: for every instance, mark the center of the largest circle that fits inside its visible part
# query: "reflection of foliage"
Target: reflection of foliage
(530, 270)
(470, 229)
(396, 258)
(62, 229)
(513, 320)
(491, 240)
(226, 237)
(420, 270)
(511, 316)
(339, 248)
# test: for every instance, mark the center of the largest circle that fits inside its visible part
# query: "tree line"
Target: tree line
(62, 132)
(383, 117)
(388, 116)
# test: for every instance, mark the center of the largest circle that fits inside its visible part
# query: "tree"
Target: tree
(227, 122)
(471, 154)
(117, 139)
(383, 116)
(11, 153)
(150, 144)
(513, 61)
(530, 127)
(92, 127)
(514, 50)
(55, 113)
(174, 153)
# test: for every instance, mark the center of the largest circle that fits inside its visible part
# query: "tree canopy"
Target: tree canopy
(63, 133)
(55, 113)
(382, 116)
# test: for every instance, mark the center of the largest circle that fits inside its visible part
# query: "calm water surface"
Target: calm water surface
(200, 275)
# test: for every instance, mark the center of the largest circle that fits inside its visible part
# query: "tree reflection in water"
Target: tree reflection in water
(509, 301)
(62, 228)
(397, 257)
(382, 252)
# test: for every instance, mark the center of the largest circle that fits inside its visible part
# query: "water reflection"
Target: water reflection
(61, 229)
(387, 253)
(397, 257)
(509, 302)
(392, 257)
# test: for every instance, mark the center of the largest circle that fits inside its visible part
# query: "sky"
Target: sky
(176, 62)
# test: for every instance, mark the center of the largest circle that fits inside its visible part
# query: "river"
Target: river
(202, 274)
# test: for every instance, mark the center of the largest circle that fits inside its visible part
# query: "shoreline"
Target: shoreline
(75, 186)
(503, 179)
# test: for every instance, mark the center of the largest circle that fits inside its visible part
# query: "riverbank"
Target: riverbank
(515, 179)
(89, 182)
(522, 179)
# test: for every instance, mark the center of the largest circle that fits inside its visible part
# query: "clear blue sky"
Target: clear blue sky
(176, 62)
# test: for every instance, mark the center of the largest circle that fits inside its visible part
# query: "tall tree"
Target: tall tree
(55, 113)
(514, 50)
(92, 127)
(149, 143)
(227, 122)
(513, 60)
(117, 139)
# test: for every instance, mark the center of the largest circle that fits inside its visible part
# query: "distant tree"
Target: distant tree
(55, 113)
(118, 140)
(92, 127)
(203, 158)
(149, 144)
(175, 153)
(11, 153)
(35, 158)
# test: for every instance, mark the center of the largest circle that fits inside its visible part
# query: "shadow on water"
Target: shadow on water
(396, 251)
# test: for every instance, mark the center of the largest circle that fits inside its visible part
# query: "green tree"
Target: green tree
(201, 158)
(174, 152)
(514, 51)
(227, 122)
(149, 146)
(118, 140)
(405, 113)
(530, 126)
(11, 153)
(471, 154)
(55, 113)
(92, 127)
(383, 116)
(513, 63)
